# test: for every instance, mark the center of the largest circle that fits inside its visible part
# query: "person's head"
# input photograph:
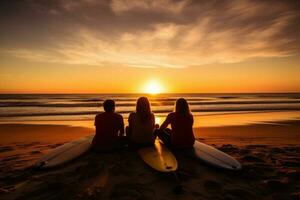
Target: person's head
(143, 109)
(109, 106)
(182, 106)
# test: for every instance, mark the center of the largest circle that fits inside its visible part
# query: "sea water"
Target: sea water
(84, 107)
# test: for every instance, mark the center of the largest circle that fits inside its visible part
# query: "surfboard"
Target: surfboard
(215, 157)
(65, 152)
(159, 157)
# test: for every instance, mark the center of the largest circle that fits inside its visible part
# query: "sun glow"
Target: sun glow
(153, 87)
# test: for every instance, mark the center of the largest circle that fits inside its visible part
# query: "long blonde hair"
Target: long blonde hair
(143, 109)
(182, 106)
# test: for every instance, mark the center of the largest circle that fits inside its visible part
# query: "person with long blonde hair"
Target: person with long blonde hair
(141, 123)
(181, 133)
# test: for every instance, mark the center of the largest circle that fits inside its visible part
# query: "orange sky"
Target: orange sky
(251, 76)
(119, 47)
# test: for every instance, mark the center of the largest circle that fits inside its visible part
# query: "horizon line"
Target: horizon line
(106, 93)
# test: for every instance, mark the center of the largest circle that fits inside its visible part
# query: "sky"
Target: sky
(122, 46)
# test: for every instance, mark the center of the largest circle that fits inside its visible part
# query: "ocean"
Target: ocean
(56, 107)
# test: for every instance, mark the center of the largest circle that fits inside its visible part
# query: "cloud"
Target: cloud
(162, 33)
(120, 6)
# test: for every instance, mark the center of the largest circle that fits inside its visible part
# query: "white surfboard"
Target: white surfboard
(66, 152)
(215, 157)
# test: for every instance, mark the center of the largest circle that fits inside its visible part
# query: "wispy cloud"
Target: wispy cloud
(169, 6)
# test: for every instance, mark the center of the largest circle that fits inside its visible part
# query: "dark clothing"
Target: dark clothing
(141, 131)
(164, 136)
(109, 130)
(181, 134)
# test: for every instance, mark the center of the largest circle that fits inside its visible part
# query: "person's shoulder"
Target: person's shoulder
(152, 116)
(191, 115)
(99, 115)
(172, 114)
(118, 115)
(132, 114)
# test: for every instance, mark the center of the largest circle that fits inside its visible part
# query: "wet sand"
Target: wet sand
(269, 153)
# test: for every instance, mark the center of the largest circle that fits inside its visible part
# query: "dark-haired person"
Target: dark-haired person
(141, 124)
(181, 133)
(109, 127)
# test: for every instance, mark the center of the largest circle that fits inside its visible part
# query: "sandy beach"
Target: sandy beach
(269, 155)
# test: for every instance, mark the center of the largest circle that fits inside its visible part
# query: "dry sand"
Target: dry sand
(269, 153)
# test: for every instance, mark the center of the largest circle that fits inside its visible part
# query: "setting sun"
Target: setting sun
(153, 87)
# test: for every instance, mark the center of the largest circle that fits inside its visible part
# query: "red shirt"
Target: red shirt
(109, 126)
(182, 135)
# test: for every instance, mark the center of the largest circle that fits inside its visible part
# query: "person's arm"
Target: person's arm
(153, 120)
(95, 123)
(94, 139)
(165, 123)
(121, 126)
(129, 127)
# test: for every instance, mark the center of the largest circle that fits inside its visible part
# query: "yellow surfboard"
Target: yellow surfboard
(159, 157)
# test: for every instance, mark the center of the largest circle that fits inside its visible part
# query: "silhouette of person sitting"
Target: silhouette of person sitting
(109, 127)
(140, 131)
(181, 133)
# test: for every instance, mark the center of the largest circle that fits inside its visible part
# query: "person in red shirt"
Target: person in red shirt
(109, 127)
(181, 133)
